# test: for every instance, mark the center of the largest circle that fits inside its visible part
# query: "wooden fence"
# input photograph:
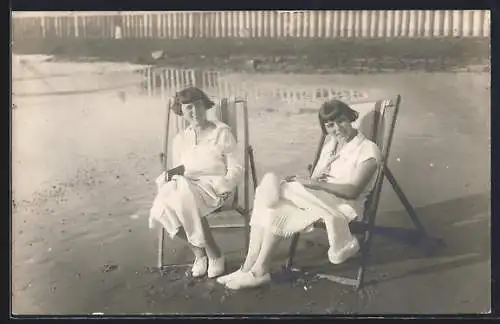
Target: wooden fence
(256, 24)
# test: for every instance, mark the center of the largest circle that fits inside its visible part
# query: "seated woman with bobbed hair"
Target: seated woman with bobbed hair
(206, 150)
(336, 193)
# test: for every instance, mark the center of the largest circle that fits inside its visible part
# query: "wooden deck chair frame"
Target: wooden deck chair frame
(365, 228)
(226, 111)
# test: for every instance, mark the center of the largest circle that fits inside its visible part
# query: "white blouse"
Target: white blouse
(214, 159)
(342, 167)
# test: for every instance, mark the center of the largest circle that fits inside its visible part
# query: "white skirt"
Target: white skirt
(286, 208)
(182, 202)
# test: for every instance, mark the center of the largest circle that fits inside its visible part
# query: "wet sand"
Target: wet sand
(83, 181)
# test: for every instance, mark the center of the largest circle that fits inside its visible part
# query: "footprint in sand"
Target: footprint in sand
(109, 267)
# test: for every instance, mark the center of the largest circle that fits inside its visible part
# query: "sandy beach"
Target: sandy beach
(84, 166)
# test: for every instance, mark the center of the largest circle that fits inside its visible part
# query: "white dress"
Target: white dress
(212, 167)
(286, 208)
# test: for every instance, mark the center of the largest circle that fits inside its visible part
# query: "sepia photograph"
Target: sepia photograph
(332, 162)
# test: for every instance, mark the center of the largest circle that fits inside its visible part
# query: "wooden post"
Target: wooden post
(161, 240)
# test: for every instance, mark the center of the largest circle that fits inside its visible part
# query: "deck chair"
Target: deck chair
(227, 111)
(377, 120)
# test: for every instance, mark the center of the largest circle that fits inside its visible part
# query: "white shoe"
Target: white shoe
(346, 253)
(248, 280)
(216, 267)
(232, 276)
(200, 267)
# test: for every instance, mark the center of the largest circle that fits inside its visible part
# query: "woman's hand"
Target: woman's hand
(304, 181)
(310, 183)
(224, 195)
(160, 181)
(297, 178)
(322, 178)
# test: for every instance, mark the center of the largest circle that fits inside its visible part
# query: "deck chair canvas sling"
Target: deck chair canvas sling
(227, 111)
(377, 120)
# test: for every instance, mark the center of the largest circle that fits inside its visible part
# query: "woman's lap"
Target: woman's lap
(284, 217)
(181, 204)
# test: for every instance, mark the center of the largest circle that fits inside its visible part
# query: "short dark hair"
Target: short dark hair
(189, 95)
(333, 109)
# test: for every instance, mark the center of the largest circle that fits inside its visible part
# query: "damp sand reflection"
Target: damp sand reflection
(166, 81)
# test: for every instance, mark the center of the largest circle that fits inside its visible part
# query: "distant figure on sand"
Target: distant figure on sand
(336, 192)
(206, 152)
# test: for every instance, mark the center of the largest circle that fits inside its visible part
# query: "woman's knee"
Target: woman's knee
(270, 184)
(268, 192)
(269, 177)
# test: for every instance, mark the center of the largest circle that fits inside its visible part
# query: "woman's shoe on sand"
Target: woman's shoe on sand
(346, 253)
(248, 280)
(216, 267)
(229, 277)
(200, 267)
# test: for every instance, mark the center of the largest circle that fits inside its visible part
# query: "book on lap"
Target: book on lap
(178, 170)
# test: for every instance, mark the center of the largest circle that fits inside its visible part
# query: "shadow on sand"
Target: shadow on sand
(463, 224)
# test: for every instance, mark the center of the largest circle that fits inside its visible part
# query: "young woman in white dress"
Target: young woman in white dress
(212, 170)
(336, 193)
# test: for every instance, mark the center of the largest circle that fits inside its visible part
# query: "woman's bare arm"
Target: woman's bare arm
(235, 169)
(347, 191)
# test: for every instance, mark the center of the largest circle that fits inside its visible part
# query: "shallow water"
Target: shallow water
(84, 165)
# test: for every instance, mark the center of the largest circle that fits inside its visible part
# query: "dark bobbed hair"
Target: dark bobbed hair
(333, 109)
(190, 95)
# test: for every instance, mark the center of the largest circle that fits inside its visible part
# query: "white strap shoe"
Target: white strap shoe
(216, 267)
(200, 267)
(232, 276)
(346, 253)
(248, 280)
